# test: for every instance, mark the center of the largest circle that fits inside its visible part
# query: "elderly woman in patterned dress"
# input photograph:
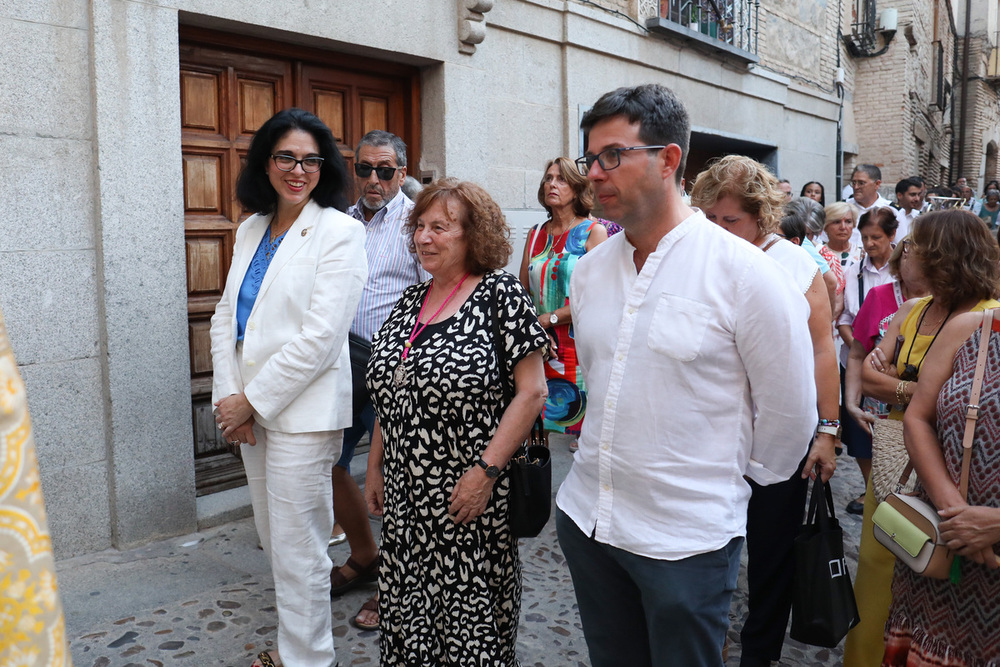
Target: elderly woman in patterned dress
(450, 579)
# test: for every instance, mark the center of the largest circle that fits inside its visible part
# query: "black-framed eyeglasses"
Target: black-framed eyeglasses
(384, 173)
(609, 158)
(310, 165)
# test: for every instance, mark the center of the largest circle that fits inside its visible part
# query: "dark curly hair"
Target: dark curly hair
(487, 235)
(253, 188)
(583, 189)
(958, 255)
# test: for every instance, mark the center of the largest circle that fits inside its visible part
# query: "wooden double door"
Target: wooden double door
(229, 86)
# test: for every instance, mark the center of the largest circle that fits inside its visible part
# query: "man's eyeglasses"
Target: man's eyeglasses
(310, 165)
(860, 184)
(365, 170)
(609, 158)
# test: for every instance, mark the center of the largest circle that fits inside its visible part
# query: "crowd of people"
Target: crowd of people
(688, 346)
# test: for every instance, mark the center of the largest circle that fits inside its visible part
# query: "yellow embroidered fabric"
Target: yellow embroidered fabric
(32, 630)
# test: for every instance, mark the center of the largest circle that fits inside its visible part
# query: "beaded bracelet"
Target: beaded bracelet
(830, 422)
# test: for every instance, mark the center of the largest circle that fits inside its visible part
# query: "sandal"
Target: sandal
(371, 605)
(339, 584)
(264, 659)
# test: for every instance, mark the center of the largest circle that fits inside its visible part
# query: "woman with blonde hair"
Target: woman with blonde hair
(841, 240)
(550, 253)
(742, 196)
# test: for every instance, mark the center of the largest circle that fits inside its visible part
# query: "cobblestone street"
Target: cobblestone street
(208, 599)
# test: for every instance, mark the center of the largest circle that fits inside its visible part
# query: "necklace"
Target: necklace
(910, 372)
(401, 375)
(561, 237)
(273, 243)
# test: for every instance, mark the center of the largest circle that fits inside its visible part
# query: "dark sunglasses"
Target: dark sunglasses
(365, 171)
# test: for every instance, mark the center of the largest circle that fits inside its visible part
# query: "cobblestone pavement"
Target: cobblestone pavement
(208, 599)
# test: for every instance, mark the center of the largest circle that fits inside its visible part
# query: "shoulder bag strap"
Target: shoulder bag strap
(972, 411)
(775, 238)
(861, 283)
(499, 348)
(534, 237)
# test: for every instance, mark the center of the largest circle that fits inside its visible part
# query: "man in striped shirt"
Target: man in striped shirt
(380, 169)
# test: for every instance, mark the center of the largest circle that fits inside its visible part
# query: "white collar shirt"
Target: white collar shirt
(699, 371)
(905, 219)
(865, 274)
(860, 210)
(391, 266)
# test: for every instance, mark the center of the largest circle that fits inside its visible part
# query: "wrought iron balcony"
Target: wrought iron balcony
(728, 27)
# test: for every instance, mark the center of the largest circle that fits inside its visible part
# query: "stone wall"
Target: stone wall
(94, 283)
(49, 285)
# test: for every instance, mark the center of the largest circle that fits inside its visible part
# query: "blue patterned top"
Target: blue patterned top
(253, 278)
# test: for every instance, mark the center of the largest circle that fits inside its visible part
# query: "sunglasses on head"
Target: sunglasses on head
(384, 173)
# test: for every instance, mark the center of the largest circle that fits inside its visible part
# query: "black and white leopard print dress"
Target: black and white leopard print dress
(448, 594)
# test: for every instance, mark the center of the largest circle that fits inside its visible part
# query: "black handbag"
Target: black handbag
(823, 605)
(530, 469)
(361, 352)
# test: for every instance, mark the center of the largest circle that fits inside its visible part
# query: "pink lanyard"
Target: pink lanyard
(417, 327)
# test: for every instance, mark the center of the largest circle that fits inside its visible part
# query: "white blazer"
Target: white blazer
(296, 369)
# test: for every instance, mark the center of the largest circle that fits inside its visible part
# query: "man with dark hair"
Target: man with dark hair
(909, 196)
(685, 398)
(865, 181)
(379, 170)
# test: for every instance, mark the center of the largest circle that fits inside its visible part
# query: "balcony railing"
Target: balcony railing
(864, 25)
(732, 23)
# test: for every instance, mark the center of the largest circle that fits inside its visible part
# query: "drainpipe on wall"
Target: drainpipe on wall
(965, 88)
(841, 93)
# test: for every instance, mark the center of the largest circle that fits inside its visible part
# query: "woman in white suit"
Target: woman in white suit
(282, 373)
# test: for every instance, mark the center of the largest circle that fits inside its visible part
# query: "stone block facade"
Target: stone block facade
(95, 287)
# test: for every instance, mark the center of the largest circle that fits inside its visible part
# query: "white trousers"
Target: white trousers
(291, 493)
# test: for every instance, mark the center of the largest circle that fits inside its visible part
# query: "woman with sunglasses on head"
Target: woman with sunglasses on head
(550, 253)
(282, 372)
(953, 622)
(958, 258)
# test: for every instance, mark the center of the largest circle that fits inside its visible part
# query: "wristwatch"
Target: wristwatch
(491, 471)
(553, 318)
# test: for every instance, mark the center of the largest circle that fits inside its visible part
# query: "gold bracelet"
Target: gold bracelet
(901, 397)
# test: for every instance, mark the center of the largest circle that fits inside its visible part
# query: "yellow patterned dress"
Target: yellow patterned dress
(32, 632)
